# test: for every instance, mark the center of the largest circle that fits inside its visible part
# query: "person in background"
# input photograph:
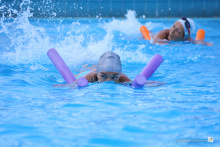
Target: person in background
(180, 31)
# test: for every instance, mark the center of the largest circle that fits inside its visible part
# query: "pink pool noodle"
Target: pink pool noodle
(61, 66)
(148, 71)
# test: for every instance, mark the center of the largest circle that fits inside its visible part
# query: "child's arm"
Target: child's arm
(200, 42)
(161, 35)
(154, 83)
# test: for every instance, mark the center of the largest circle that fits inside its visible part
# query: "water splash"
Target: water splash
(129, 26)
(27, 40)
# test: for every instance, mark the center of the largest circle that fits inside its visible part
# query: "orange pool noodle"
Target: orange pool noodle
(200, 35)
(145, 33)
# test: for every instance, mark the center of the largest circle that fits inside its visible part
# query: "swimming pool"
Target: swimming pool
(34, 113)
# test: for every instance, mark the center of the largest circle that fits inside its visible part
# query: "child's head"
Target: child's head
(176, 32)
(109, 67)
(181, 29)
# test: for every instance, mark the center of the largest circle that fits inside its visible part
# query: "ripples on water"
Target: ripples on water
(34, 113)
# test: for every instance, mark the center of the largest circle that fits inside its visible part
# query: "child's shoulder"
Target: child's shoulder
(163, 34)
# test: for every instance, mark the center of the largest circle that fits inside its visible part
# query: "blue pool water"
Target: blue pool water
(34, 113)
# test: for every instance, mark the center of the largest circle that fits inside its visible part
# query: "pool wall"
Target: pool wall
(117, 8)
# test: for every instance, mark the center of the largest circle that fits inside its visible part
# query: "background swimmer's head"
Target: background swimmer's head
(109, 67)
(176, 32)
(181, 29)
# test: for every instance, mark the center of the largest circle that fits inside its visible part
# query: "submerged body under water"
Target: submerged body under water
(34, 113)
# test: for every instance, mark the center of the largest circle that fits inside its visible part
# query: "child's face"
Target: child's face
(108, 76)
(176, 32)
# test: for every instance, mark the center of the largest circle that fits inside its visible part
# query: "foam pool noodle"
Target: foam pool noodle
(64, 69)
(145, 32)
(148, 71)
(82, 82)
(139, 81)
(200, 35)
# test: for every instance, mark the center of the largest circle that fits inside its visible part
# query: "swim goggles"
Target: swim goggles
(187, 26)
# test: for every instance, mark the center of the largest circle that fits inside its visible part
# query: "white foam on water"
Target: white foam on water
(74, 52)
(26, 39)
(29, 44)
(129, 26)
(155, 26)
(133, 56)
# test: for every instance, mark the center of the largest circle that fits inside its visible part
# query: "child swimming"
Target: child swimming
(108, 69)
(180, 31)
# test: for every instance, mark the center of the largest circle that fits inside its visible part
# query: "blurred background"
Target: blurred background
(114, 8)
